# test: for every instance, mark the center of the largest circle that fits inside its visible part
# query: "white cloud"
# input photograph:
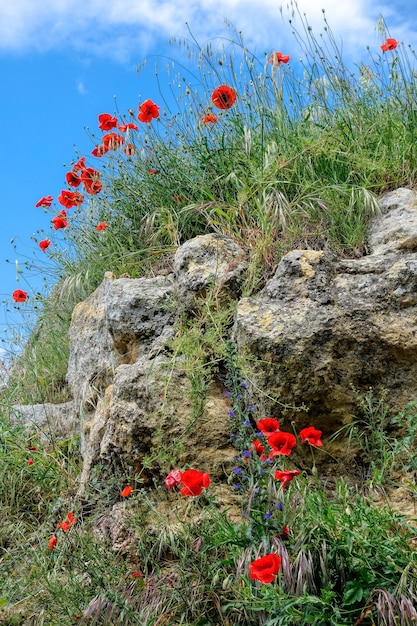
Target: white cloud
(124, 29)
(81, 88)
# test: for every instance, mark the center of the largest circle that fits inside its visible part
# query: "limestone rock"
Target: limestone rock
(90, 365)
(211, 260)
(323, 325)
(50, 422)
(145, 416)
(114, 528)
(125, 387)
(397, 228)
(138, 311)
(122, 319)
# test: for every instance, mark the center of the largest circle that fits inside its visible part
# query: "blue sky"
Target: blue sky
(62, 62)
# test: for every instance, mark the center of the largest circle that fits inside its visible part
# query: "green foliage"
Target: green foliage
(199, 345)
(386, 443)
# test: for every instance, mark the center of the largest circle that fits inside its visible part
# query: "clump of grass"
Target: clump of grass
(384, 442)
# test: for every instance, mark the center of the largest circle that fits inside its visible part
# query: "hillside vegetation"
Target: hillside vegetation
(275, 154)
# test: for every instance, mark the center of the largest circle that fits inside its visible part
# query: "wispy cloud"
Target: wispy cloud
(123, 29)
(81, 88)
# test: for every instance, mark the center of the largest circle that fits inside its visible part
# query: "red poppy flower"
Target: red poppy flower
(268, 425)
(112, 141)
(173, 479)
(123, 127)
(69, 199)
(59, 222)
(285, 532)
(65, 525)
(45, 201)
(107, 121)
(29, 461)
(153, 172)
(312, 435)
(102, 226)
(148, 110)
(194, 482)
(209, 119)
(125, 493)
(45, 243)
(52, 542)
(281, 443)
(259, 448)
(389, 44)
(277, 58)
(286, 476)
(100, 150)
(137, 574)
(73, 180)
(223, 97)
(266, 568)
(129, 149)
(19, 296)
(79, 165)
(91, 180)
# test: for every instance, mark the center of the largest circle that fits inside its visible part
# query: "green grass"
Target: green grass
(298, 161)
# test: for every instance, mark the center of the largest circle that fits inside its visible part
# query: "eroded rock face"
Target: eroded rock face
(324, 325)
(321, 327)
(144, 422)
(209, 261)
(126, 386)
(121, 320)
(50, 422)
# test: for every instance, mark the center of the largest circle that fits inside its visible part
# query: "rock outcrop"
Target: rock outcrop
(48, 422)
(325, 326)
(132, 397)
(320, 329)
